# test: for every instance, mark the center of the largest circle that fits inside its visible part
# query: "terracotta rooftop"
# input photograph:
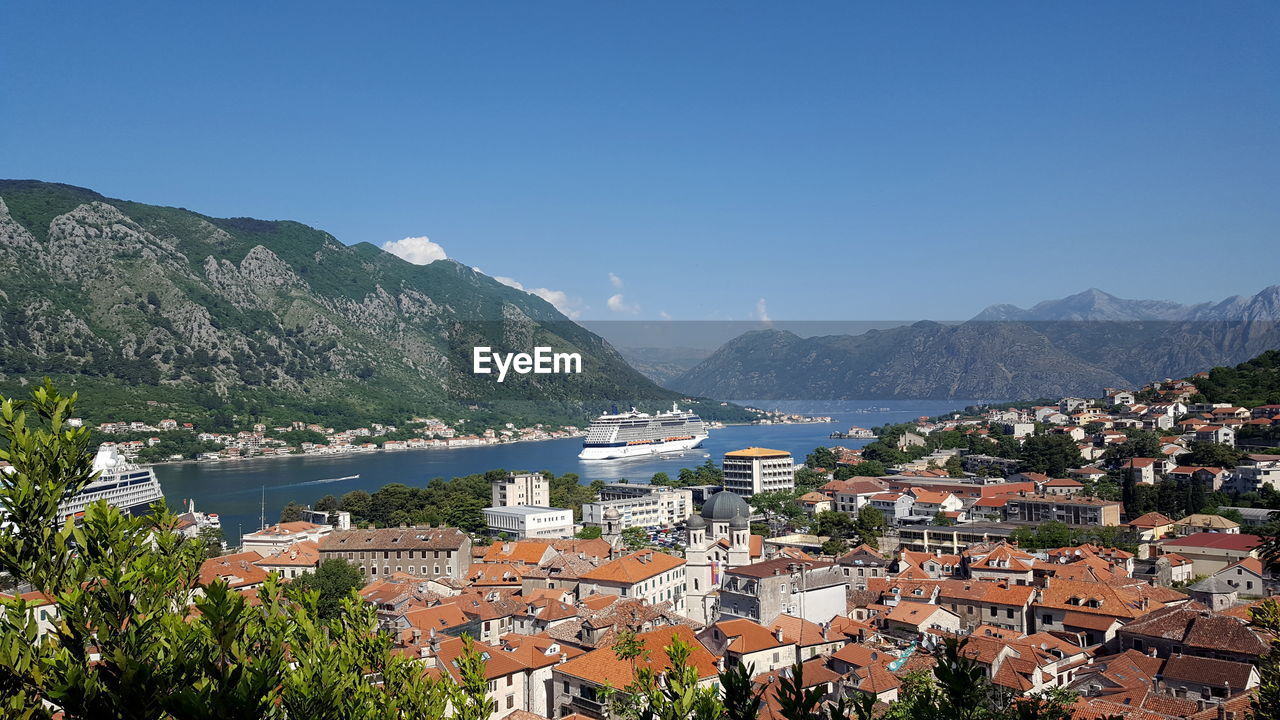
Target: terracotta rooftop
(634, 568)
(603, 666)
(1219, 541)
(394, 539)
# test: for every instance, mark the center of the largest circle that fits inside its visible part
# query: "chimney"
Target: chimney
(417, 636)
(778, 634)
(563, 658)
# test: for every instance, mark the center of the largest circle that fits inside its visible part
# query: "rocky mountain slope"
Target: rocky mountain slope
(163, 311)
(1074, 346)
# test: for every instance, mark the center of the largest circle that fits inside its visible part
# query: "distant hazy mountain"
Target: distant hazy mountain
(1094, 304)
(1073, 346)
(160, 311)
(661, 364)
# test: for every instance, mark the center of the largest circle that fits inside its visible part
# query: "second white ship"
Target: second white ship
(635, 434)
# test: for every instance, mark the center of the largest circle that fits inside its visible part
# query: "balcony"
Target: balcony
(589, 707)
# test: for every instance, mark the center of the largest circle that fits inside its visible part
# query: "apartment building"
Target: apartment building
(423, 552)
(530, 521)
(515, 490)
(644, 575)
(812, 590)
(758, 470)
(646, 506)
(1071, 510)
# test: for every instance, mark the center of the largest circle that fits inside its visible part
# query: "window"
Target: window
(511, 699)
(1047, 619)
(510, 681)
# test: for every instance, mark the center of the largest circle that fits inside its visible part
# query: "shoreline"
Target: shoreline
(353, 453)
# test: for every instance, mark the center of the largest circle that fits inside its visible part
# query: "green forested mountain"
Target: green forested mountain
(161, 311)
(1249, 384)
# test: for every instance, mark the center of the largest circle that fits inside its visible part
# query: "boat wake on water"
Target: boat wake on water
(322, 481)
(331, 480)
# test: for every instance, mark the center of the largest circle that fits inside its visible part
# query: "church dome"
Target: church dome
(611, 514)
(739, 522)
(724, 506)
(696, 523)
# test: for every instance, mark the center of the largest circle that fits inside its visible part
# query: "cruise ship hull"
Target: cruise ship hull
(617, 452)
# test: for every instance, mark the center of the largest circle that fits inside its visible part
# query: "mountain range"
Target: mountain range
(158, 311)
(1073, 346)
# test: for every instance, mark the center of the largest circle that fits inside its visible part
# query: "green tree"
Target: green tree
(334, 579)
(776, 506)
(1211, 454)
(473, 702)
(834, 524)
(635, 538)
(128, 646)
(866, 468)
(661, 478)
(871, 525)
(210, 539)
(742, 699)
(673, 695)
(590, 532)
(821, 457)
(291, 513)
(954, 467)
(1050, 454)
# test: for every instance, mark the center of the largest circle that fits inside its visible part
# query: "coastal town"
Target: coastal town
(261, 441)
(856, 583)
(640, 361)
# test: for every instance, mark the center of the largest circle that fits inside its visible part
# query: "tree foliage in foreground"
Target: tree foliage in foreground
(136, 639)
(961, 691)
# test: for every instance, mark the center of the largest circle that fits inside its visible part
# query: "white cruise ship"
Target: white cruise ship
(121, 483)
(635, 434)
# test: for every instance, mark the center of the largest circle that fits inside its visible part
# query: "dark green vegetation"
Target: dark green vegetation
(172, 442)
(451, 503)
(708, 473)
(846, 531)
(1054, 534)
(128, 647)
(155, 312)
(1249, 384)
(1041, 452)
(334, 580)
(1078, 348)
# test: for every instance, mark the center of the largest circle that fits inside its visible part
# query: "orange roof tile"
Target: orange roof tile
(634, 568)
(604, 667)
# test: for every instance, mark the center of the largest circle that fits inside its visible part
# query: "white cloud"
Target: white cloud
(762, 311)
(619, 305)
(664, 315)
(417, 250)
(559, 298)
(615, 281)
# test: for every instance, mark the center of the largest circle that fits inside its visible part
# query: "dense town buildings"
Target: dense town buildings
(1162, 626)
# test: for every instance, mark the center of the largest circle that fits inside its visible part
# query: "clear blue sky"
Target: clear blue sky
(838, 160)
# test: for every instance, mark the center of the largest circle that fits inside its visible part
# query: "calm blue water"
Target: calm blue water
(235, 489)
